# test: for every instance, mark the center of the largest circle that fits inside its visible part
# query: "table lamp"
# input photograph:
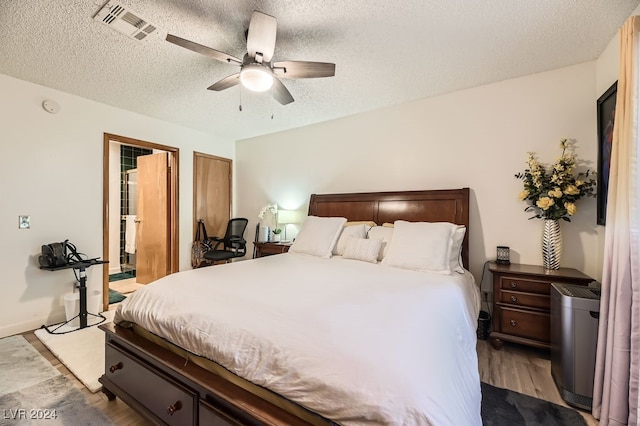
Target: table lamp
(288, 217)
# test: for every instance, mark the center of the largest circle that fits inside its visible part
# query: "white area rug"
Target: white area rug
(32, 391)
(125, 286)
(81, 351)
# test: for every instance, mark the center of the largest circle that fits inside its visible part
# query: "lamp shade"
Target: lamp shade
(289, 216)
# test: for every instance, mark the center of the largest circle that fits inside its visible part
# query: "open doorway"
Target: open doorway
(140, 212)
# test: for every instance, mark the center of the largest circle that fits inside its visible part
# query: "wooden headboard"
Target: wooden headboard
(443, 205)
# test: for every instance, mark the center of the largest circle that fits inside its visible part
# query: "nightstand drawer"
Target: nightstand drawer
(528, 286)
(268, 249)
(530, 325)
(530, 300)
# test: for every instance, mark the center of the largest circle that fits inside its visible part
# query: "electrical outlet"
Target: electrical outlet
(486, 296)
(24, 222)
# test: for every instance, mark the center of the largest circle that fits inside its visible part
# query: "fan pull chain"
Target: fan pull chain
(272, 102)
(240, 106)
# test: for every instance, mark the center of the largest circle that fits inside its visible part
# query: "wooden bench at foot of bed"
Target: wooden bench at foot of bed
(157, 384)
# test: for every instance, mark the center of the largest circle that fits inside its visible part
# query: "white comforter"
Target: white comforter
(355, 342)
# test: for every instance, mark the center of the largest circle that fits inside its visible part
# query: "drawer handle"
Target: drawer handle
(173, 408)
(514, 299)
(115, 367)
(513, 323)
(513, 284)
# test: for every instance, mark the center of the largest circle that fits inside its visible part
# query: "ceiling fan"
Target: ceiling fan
(257, 71)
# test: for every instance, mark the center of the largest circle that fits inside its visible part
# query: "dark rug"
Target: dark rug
(122, 276)
(115, 297)
(502, 407)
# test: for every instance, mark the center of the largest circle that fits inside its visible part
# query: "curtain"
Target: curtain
(616, 395)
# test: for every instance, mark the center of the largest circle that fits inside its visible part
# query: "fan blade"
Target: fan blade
(225, 83)
(303, 69)
(280, 92)
(204, 50)
(262, 35)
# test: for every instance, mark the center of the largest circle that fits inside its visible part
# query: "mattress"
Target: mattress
(354, 342)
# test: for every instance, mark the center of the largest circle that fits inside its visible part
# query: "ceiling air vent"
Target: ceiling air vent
(124, 21)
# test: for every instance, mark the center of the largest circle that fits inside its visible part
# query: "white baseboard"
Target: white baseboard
(115, 270)
(32, 324)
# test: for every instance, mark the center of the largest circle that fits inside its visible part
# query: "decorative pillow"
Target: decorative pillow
(422, 246)
(369, 223)
(381, 233)
(318, 236)
(363, 249)
(455, 254)
(349, 232)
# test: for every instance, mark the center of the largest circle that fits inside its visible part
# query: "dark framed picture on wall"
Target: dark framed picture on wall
(606, 115)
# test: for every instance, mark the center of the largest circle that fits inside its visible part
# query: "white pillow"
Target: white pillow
(455, 254)
(363, 249)
(348, 232)
(383, 233)
(421, 246)
(318, 236)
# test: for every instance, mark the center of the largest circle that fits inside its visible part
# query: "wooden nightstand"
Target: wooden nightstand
(521, 302)
(267, 249)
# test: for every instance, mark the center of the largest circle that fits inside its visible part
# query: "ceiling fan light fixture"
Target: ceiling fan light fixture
(256, 77)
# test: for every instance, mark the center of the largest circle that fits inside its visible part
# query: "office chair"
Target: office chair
(232, 244)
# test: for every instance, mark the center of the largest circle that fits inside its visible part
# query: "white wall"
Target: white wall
(51, 169)
(477, 138)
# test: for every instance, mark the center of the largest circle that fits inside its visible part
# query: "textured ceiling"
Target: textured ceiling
(386, 52)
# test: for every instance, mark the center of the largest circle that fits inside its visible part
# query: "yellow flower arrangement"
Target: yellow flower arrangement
(552, 193)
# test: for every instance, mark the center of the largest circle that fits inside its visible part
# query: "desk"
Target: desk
(268, 248)
(82, 288)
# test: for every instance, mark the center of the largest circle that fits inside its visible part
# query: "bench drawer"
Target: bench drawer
(211, 416)
(171, 401)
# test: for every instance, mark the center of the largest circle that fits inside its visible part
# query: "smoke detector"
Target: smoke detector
(125, 21)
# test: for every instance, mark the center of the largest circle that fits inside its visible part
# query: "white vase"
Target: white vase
(275, 238)
(551, 244)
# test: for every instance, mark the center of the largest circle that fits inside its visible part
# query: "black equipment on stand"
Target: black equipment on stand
(81, 276)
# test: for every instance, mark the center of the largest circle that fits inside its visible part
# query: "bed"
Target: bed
(300, 338)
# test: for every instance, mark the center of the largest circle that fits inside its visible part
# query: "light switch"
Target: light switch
(24, 222)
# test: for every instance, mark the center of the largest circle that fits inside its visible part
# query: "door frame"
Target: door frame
(174, 156)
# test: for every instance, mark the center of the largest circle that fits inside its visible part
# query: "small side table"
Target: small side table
(81, 276)
(268, 248)
(521, 302)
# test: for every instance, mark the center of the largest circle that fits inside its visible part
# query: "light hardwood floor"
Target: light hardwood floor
(514, 367)
(521, 369)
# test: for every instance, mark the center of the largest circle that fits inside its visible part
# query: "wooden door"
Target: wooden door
(152, 236)
(211, 193)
